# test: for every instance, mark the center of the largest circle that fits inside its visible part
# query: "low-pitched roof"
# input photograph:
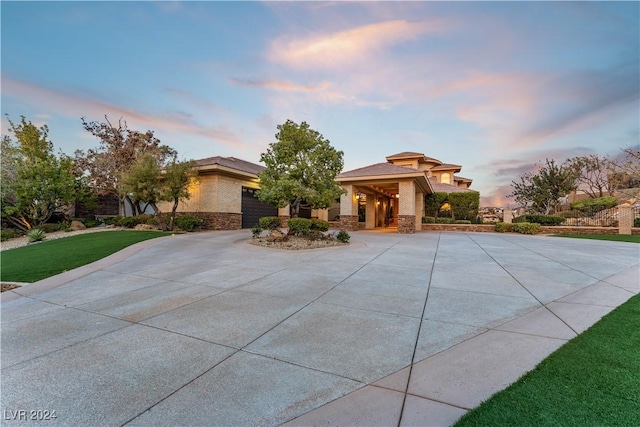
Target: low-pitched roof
(379, 169)
(412, 155)
(230, 162)
(439, 187)
(447, 166)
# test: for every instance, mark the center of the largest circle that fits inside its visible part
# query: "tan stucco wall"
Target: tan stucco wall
(213, 193)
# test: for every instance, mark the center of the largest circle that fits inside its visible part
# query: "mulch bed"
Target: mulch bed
(295, 243)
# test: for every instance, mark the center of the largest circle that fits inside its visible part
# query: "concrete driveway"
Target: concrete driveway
(204, 329)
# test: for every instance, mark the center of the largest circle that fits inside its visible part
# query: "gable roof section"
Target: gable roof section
(229, 164)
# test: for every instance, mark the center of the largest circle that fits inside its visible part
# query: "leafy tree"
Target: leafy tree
(301, 166)
(150, 182)
(594, 174)
(35, 182)
(541, 191)
(120, 148)
(176, 178)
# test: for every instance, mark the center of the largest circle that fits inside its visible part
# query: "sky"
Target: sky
(496, 87)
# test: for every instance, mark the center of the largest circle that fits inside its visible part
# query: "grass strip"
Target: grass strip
(592, 380)
(39, 261)
(635, 238)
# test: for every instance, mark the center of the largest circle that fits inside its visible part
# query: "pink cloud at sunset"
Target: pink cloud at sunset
(340, 49)
(77, 106)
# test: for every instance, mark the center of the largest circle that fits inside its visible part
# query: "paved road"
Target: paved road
(204, 329)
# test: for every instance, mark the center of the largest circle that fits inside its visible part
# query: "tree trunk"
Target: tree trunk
(174, 210)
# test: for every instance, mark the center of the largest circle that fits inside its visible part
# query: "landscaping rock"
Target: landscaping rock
(146, 227)
(77, 225)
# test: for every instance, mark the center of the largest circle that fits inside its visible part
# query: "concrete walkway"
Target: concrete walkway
(204, 329)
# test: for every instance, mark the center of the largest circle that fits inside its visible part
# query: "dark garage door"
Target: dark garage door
(253, 209)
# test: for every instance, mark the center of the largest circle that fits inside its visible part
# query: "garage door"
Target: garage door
(253, 209)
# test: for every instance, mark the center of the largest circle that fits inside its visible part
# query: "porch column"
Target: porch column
(322, 214)
(407, 207)
(349, 209)
(284, 214)
(419, 210)
(625, 219)
(370, 217)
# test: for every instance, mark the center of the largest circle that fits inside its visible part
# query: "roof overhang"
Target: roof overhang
(225, 170)
(420, 179)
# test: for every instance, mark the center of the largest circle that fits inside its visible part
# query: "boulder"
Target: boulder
(77, 225)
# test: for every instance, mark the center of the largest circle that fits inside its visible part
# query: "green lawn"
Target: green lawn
(39, 261)
(635, 238)
(593, 380)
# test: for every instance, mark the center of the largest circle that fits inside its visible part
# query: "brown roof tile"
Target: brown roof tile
(447, 188)
(379, 169)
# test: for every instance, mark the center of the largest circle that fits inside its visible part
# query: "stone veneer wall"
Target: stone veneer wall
(406, 224)
(349, 222)
(218, 220)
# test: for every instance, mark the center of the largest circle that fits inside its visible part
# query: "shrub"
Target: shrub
(255, 231)
(49, 227)
(636, 222)
(269, 222)
(428, 220)
(92, 223)
(595, 205)
(189, 222)
(36, 235)
(319, 225)
(8, 234)
(299, 226)
(445, 220)
(551, 220)
(504, 227)
(571, 214)
(462, 221)
(526, 228)
(132, 221)
(343, 236)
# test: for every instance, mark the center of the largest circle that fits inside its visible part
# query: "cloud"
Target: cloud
(340, 49)
(76, 106)
(279, 85)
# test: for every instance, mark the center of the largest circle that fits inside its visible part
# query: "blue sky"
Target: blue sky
(492, 86)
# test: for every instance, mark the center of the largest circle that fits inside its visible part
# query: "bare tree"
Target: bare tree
(594, 173)
(119, 149)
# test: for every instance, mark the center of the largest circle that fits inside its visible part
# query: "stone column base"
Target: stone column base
(406, 224)
(349, 222)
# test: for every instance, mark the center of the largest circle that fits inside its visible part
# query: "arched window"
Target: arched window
(445, 178)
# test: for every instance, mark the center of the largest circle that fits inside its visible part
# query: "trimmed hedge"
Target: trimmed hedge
(504, 227)
(464, 205)
(526, 228)
(269, 222)
(189, 222)
(549, 220)
(428, 220)
(305, 227)
(518, 227)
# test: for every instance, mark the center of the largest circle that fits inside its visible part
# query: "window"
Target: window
(445, 178)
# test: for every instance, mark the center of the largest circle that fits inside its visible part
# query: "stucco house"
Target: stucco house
(393, 192)
(389, 194)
